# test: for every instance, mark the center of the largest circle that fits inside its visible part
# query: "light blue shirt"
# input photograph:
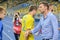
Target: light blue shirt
(49, 27)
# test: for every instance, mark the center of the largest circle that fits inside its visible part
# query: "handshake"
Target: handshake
(27, 34)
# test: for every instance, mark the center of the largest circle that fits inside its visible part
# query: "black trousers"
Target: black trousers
(45, 39)
(16, 36)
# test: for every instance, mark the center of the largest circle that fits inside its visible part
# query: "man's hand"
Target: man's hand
(58, 28)
(27, 34)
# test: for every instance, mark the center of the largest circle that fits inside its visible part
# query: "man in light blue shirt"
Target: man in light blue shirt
(48, 23)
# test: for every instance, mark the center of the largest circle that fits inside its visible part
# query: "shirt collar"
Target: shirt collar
(47, 15)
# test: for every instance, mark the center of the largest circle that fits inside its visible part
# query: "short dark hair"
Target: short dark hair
(45, 4)
(1, 9)
(50, 4)
(18, 13)
(32, 8)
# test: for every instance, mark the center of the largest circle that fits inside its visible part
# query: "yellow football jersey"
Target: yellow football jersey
(27, 23)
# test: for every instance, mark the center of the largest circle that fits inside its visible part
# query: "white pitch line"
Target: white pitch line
(7, 35)
(7, 26)
(10, 17)
(8, 21)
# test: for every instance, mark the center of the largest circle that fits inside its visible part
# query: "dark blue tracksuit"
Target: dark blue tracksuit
(1, 29)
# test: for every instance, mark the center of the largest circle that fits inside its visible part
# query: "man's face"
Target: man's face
(16, 13)
(2, 15)
(51, 7)
(42, 8)
(34, 12)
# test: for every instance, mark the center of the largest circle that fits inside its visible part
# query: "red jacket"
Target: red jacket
(17, 28)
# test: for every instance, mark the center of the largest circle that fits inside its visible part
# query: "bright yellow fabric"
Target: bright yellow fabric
(27, 23)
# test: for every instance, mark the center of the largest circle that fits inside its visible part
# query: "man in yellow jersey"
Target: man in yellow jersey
(28, 23)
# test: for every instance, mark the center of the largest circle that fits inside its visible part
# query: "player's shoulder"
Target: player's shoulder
(24, 16)
(52, 16)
